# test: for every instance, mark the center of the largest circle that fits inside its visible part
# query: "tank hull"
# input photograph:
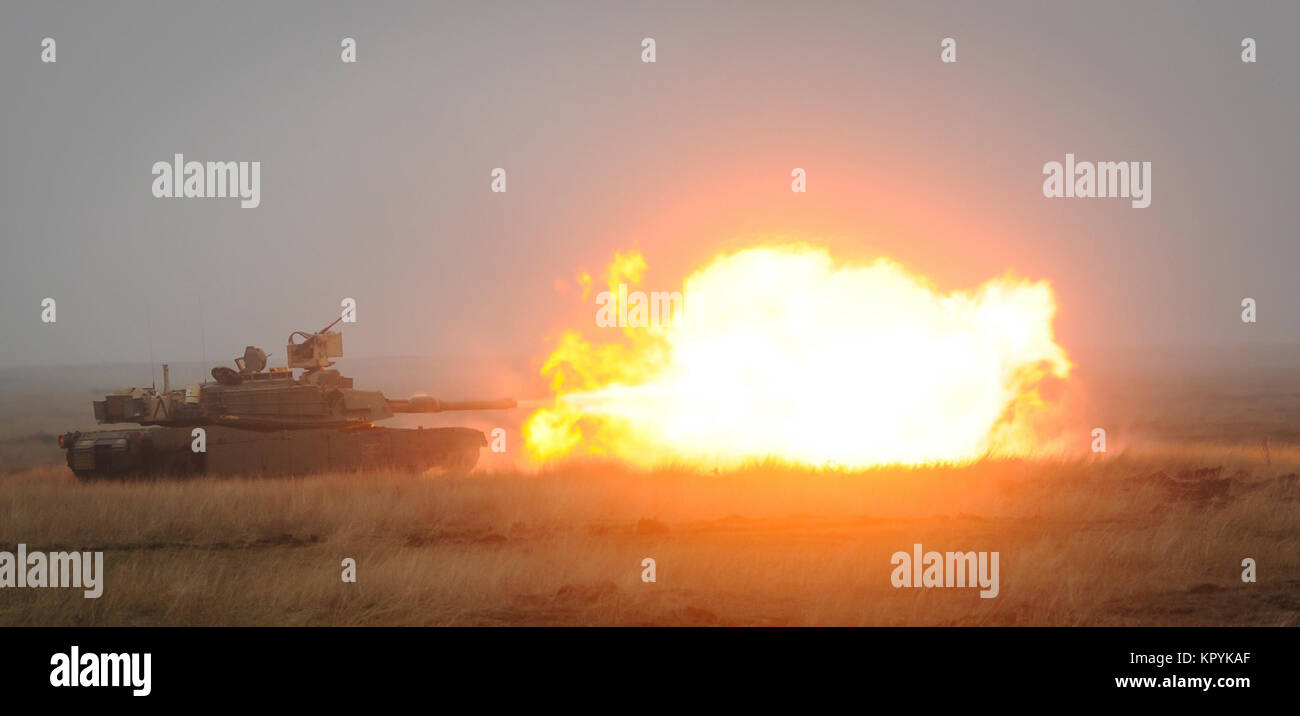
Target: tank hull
(167, 451)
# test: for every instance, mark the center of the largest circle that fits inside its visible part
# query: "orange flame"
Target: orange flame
(788, 355)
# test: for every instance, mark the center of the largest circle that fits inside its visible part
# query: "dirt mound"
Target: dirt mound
(586, 594)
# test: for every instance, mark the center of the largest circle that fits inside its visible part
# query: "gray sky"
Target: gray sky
(375, 176)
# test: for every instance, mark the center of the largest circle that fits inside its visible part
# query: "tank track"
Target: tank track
(166, 451)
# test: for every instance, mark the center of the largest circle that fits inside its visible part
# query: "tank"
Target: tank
(301, 418)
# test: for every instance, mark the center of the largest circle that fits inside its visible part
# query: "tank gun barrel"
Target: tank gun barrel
(425, 404)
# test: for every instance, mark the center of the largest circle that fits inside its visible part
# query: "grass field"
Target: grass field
(1124, 541)
(1153, 532)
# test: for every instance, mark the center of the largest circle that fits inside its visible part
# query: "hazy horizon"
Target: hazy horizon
(375, 175)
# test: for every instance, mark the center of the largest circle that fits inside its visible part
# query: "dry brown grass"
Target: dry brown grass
(1081, 542)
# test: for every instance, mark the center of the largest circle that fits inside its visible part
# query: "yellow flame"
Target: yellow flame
(789, 355)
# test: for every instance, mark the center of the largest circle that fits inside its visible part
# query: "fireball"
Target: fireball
(784, 353)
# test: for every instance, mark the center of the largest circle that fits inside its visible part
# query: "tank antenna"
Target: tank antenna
(203, 344)
(148, 321)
